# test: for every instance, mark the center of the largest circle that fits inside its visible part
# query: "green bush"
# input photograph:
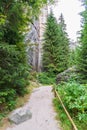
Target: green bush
(44, 78)
(74, 97)
(7, 99)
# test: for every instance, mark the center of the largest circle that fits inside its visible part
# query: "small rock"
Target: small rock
(20, 115)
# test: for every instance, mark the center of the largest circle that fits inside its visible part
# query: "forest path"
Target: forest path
(43, 114)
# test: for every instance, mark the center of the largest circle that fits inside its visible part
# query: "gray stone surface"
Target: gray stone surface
(20, 115)
(66, 75)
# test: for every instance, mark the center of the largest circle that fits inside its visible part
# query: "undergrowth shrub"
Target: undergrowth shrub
(7, 99)
(74, 97)
(45, 78)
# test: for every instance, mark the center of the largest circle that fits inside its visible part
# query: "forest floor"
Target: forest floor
(43, 114)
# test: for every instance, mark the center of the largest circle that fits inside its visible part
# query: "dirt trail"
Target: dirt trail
(43, 115)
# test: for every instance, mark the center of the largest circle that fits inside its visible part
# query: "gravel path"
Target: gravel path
(43, 115)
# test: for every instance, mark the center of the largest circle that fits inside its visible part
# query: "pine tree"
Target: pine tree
(50, 44)
(82, 63)
(55, 46)
(64, 44)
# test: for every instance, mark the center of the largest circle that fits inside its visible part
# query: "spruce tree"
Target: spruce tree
(50, 44)
(82, 62)
(55, 46)
(63, 45)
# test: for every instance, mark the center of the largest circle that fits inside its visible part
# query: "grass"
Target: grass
(65, 123)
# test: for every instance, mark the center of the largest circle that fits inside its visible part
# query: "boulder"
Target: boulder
(66, 75)
(20, 115)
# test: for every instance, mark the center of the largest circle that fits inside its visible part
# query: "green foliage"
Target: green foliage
(74, 97)
(82, 62)
(55, 47)
(7, 99)
(50, 43)
(2, 19)
(15, 22)
(15, 17)
(73, 57)
(44, 78)
(13, 73)
(65, 123)
(63, 50)
(61, 115)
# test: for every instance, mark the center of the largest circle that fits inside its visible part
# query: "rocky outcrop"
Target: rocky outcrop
(32, 40)
(66, 75)
(35, 38)
(20, 115)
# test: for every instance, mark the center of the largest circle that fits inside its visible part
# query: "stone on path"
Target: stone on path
(20, 115)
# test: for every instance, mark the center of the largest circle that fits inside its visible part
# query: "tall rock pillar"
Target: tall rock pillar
(42, 22)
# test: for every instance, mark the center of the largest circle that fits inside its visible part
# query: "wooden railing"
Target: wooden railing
(67, 113)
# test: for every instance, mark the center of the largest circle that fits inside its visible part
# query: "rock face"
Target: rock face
(20, 115)
(32, 40)
(35, 38)
(66, 75)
